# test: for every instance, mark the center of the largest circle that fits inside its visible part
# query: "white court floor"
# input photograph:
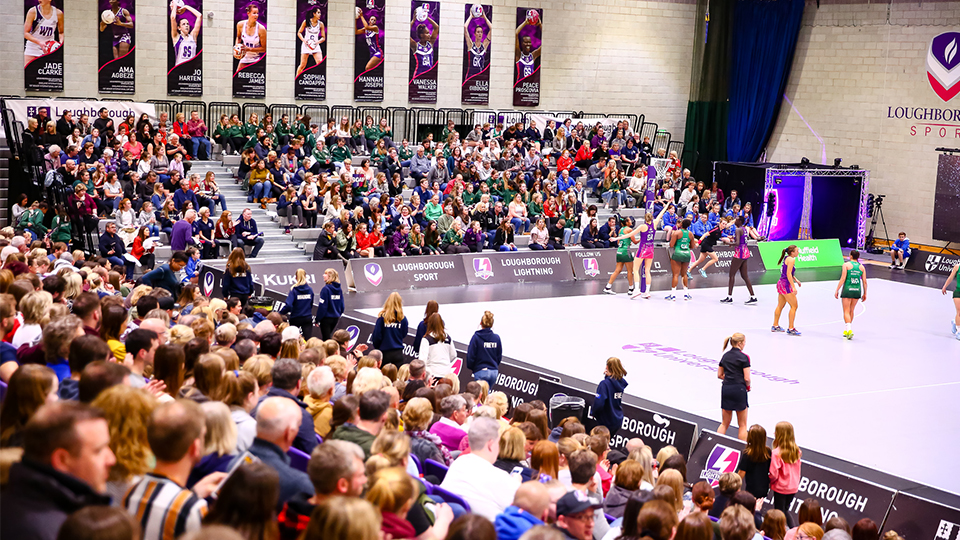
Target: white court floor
(889, 399)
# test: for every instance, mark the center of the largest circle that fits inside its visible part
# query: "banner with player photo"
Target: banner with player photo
(424, 31)
(250, 49)
(526, 57)
(116, 74)
(368, 50)
(311, 45)
(184, 61)
(477, 31)
(43, 45)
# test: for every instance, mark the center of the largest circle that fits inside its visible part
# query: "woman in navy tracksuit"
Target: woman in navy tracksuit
(485, 352)
(299, 305)
(607, 406)
(237, 279)
(331, 304)
(390, 330)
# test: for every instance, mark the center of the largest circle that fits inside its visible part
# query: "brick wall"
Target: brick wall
(853, 62)
(598, 55)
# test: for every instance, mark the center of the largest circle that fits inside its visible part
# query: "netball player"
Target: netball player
(741, 256)
(478, 45)
(121, 26)
(954, 276)
(787, 288)
(853, 282)
(708, 241)
(423, 45)
(624, 261)
(312, 33)
(251, 37)
(184, 37)
(41, 28)
(525, 55)
(372, 34)
(681, 242)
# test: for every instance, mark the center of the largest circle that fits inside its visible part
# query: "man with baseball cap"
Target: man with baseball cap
(575, 515)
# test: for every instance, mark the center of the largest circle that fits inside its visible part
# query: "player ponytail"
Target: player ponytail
(487, 320)
(854, 255)
(734, 340)
(301, 277)
(788, 250)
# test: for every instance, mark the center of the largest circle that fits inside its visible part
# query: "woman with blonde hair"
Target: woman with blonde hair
(127, 411)
(299, 305)
(784, 468)
(512, 454)
(644, 457)
(181, 335)
(608, 405)
(498, 400)
(485, 351)
(390, 329)
(734, 371)
(417, 418)
(34, 307)
(260, 366)
(220, 442)
(344, 518)
(394, 493)
(672, 478)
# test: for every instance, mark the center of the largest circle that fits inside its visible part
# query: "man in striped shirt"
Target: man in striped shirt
(159, 503)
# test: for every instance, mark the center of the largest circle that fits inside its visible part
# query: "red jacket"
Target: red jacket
(584, 153)
(137, 249)
(564, 163)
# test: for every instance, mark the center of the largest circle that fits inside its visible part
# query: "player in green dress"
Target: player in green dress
(851, 288)
(681, 241)
(954, 276)
(624, 261)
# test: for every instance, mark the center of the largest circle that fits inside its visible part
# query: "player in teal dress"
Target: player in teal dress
(851, 288)
(624, 261)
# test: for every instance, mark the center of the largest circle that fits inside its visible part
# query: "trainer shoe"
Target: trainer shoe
(703, 272)
(648, 296)
(636, 295)
(689, 275)
(793, 332)
(776, 329)
(687, 297)
(671, 298)
(846, 333)
(727, 300)
(609, 291)
(849, 335)
(752, 301)
(953, 325)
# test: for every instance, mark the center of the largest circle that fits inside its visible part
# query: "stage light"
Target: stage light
(804, 161)
(836, 162)
(855, 167)
(778, 180)
(849, 241)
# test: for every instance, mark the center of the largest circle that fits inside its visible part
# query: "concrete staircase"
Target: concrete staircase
(277, 246)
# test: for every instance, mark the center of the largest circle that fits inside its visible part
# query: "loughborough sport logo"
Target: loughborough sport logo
(354, 334)
(373, 273)
(208, 283)
(482, 268)
(723, 459)
(591, 267)
(943, 65)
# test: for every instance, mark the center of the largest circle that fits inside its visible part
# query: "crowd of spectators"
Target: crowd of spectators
(134, 417)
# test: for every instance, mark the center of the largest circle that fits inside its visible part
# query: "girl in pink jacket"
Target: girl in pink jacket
(784, 469)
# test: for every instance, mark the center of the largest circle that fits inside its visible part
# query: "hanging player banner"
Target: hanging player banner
(43, 45)
(424, 31)
(526, 73)
(477, 29)
(116, 57)
(250, 49)
(184, 63)
(368, 51)
(311, 62)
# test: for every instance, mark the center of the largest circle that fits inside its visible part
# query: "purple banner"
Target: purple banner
(184, 63)
(116, 72)
(311, 43)
(477, 31)
(43, 45)
(250, 49)
(424, 31)
(368, 51)
(526, 72)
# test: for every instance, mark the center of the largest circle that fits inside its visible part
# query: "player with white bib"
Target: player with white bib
(41, 28)
(120, 22)
(251, 38)
(478, 44)
(525, 55)
(312, 33)
(184, 38)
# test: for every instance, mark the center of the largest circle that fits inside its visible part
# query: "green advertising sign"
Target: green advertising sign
(811, 254)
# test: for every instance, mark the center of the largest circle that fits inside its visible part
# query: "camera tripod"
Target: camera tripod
(877, 212)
